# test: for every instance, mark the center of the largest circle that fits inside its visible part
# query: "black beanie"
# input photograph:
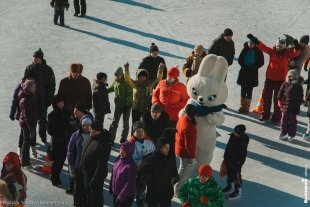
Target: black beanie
(153, 48)
(97, 125)
(161, 141)
(82, 108)
(137, 125)
(228, 32)
(304, 39)
(101, 76)
(57, 98)
(240, 129)
(38, 54)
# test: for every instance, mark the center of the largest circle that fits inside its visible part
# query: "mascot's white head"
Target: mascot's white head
(208, 87)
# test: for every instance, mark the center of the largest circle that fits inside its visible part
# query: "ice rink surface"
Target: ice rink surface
(117, 31)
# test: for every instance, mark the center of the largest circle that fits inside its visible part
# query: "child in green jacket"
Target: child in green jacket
(202, 190)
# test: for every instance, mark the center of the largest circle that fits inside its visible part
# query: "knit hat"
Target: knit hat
(28, 84)
(228, 32)
(82, 108)
(137, 125)
(13, 159)
(281, 42)
(97, 125)
(205, 170)
(173, 72)
(304, 39)
(101, 76)
(161, 141)
(240, 129)
(118, 71)
(156, 108)
(76, 68)
(86, 121)
(38, 54)
(153, 48)
(128, 147)
(190, 110)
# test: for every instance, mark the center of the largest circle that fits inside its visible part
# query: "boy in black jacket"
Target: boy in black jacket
(234, 158)
(59, 8)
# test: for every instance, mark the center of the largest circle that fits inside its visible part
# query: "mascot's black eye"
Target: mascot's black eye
(195, 92)
(211, 98)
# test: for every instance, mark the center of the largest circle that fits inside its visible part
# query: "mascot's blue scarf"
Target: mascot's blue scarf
(205, 110)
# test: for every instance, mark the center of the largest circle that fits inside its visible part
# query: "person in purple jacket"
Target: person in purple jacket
(123, 178)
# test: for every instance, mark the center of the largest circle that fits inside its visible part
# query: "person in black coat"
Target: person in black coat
(250, 59)
(151, 63)
(234, 157)
(161, 174)
(58, 126)
(59, 10)
(94, 163)
(101, 102)
(155, 121)
(45, 81)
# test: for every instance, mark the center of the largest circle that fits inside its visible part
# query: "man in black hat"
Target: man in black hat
(224, 46)
(45, 81)
(151, 63)
(94, 163)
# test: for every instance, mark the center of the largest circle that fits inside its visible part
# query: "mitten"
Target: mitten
(187, 72)
(52, 4)
(203, 200)
(253, 39)
(280, 104)
(186, 204)
(126, 66)
(12, 117)
(296, 44)
(67, 6)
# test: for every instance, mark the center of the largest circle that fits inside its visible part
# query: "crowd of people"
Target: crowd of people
(146, 168)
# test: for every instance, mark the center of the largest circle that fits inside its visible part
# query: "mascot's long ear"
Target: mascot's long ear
(214, 67)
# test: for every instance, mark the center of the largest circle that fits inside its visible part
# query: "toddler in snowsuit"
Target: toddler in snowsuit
(290, 97)
(59, 10)
(234, 158)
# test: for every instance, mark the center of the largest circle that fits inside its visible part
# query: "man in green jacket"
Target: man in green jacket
(123, 104)
(202, 190)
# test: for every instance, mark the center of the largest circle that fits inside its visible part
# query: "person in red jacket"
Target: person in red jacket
(279, 57)
(171, 95)
(185, 145)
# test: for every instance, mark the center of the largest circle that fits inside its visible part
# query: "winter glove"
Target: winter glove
(305, 69)
(280, 104)
(203, 200)
(67, 6)
(52, 4)
(12, 117)
(126, 66)
(187, 72)
(223, 169)
(253, 39)
(161, 67)
(296, 44)
(186, 204)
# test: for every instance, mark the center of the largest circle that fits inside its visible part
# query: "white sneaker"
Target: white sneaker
(34, 152)
(282, 136)
(290, 138)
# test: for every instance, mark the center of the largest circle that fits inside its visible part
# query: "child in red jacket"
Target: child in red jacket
(185, 145)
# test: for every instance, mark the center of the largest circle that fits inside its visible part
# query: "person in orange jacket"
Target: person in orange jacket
(279, 57)
(171, 95)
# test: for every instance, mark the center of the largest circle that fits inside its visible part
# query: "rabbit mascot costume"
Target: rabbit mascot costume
(208, 92)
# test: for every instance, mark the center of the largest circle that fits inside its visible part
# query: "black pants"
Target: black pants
(118, 112)
(94, 196)
(79, 194)
(234, 174)
(100, 118)
(163, 203)
(246, 92)
(59, 152)
(42, 129)
(127, 202)
(59, 13)
(28, 141)
(77, 4)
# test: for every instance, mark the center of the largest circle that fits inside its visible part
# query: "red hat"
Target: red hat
(205, 170)
(173, 72)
